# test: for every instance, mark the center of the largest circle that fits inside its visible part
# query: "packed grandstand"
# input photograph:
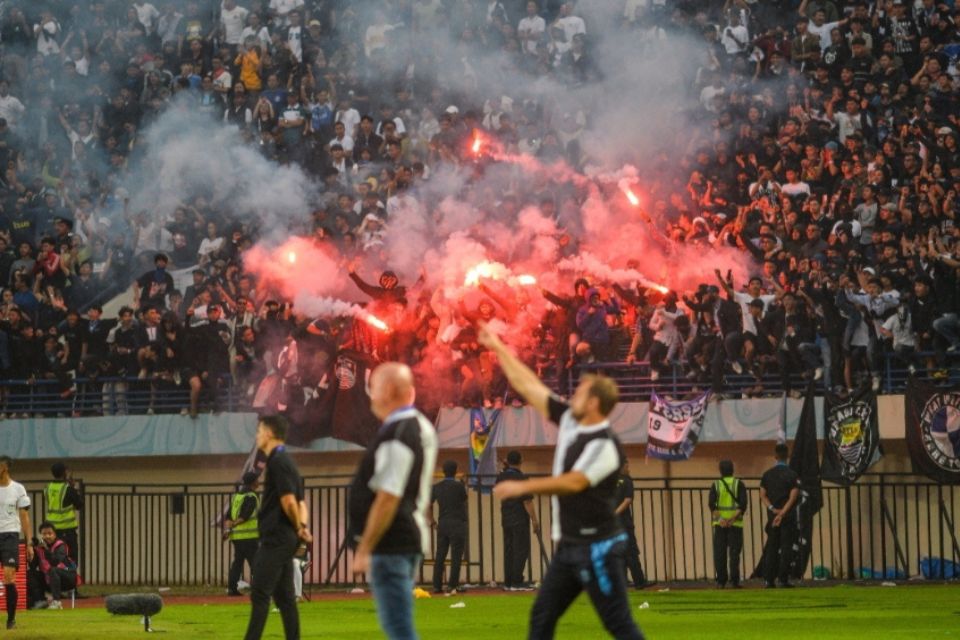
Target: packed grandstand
(201, 195)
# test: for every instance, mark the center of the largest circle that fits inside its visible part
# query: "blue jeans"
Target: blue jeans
(391, 577)
(947, 325)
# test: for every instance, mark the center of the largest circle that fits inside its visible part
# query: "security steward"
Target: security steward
(779, 491)
(517, 517)
(451, 496)
(728, 503)
(624, 511)
(63, 502)
(241, 529)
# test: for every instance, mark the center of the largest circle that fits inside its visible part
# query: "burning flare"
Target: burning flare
(375, 322)
(477, 143)
(631, 196)
(526, 279)
(292, 257)
(482, 270)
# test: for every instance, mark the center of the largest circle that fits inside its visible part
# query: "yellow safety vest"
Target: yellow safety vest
(246, 530)
(727, 501)
(58, 515)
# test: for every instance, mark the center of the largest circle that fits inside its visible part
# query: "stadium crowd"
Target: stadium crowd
(823, 143)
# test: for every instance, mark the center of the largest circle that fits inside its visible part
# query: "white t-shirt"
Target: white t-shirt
(571, 25)
(346, 142)
(147, 14)
(795, 189)
(11, 109)
(744, 300)
(824, 32)
(13, 497)
(350, 119)
(730, 36)
(262, 34)
(295, 42)
(233, 21)
(536, 26)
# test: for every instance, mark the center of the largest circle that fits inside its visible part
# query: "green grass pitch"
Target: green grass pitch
(835, 613)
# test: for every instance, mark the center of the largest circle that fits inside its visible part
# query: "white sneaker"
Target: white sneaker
(242, 585)
(55, 604)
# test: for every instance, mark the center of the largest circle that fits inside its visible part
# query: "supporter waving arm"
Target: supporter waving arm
(521, 377)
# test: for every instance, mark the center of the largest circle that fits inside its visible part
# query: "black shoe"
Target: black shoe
(646, 584)
(769, 585)
(11, 624)
(721, 585)
(234, 594)
(787, 585)
(438, 592)
(736, 585)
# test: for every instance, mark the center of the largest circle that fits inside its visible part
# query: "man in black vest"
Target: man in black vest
(389, 498)
(779, 491)
(451, 496)
(283, 526)
(590, 541)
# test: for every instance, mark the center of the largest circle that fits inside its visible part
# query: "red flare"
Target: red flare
(526, 279)
(292, 257)
(632, 197)
(376, 322)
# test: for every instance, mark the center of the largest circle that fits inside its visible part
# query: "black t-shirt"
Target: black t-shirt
(624, 492)
(512, 512)
(451, 496)
(281, 478)
(779, 481)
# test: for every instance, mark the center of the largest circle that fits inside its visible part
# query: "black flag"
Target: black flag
(804, 460)
(933, 431)
(851, 442)
(351, 418)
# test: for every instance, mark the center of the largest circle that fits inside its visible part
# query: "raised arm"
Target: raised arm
(521, 377)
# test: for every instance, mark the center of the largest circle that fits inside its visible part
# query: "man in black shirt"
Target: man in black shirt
(624, 510)
(516, 518)
(390, 496)
(590, 541)
(282, 526)
(451, 496)
(779, 490)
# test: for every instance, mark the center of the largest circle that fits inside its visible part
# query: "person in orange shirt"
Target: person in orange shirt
(250, 64)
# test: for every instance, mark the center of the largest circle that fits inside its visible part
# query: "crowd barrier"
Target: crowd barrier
(886, 525)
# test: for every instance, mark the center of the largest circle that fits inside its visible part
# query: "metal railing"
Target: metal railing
(168, 534)
(636, 385)
(112, 396)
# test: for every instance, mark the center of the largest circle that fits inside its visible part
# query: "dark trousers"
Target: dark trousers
(727, 545)
(632, 559)
(59, 580)
(516, 552)
(243, 551)
(728, 351)
(451, 540)
(69, 536)
(595, 568)
(778, 554)
(272, 575)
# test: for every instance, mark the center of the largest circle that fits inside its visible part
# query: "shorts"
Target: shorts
(10, 550)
